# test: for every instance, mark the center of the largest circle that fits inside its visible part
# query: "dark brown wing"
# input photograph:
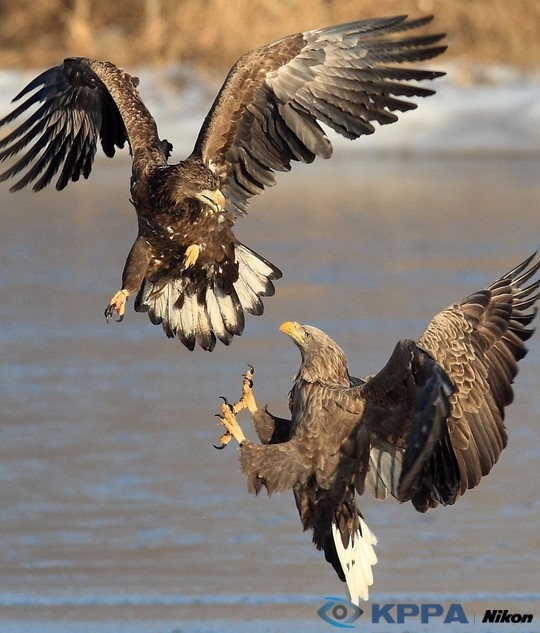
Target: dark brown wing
(79, 103)
(479, 342)
(405, 414)
(266, 113)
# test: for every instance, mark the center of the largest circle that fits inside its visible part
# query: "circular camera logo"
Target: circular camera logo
(339, 612)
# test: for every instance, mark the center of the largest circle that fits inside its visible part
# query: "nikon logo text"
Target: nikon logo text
(496, 616)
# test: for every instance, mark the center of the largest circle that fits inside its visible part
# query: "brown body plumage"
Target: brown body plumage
(424, 429)
(186, 268)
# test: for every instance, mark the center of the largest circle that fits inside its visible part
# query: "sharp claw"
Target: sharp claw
(251, 369)
(227, 403)
(117, 304)
(224, 439)
(109, 311)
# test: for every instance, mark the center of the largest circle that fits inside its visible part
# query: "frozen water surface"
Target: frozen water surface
(117, 515)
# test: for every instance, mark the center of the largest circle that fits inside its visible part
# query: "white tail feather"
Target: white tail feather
(198, 311)
(254, 271)
(214, 314)
(248, 297)
(357, 560)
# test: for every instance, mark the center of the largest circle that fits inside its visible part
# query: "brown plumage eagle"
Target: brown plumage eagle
(186, 267)
(424, 429)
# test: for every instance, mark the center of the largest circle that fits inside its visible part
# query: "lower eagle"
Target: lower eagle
(425, 429)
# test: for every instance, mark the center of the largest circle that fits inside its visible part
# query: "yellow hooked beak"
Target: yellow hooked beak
(293, 329)
(213, 198)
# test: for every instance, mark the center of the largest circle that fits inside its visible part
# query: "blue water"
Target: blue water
(118, 515)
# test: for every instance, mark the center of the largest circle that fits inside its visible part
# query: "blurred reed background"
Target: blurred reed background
(213, 33)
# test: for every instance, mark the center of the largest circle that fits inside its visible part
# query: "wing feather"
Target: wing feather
(345, 76)
(78, 104)
(479, 342)
(407, 405)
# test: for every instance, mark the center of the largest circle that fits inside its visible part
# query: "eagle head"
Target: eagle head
(322, 358)
(193, 180)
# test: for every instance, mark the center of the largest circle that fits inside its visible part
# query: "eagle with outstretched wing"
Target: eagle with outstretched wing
(424, 429)
(186, 267)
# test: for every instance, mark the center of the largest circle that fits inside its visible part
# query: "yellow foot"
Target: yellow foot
(233, 430)
(117, 304)
(192, 255)
(248, 399)
(229, 411)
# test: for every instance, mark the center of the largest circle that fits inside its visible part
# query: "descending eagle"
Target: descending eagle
(424, 429)
(186, 268)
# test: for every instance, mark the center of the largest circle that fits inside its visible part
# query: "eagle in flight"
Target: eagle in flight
(186, 267)
(424, 429)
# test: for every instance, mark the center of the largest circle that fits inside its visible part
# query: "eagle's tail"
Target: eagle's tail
(356, 557)
(201, 306)
(341, 532)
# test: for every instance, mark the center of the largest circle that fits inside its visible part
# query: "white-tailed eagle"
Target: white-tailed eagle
(424, 429)
(186, 267)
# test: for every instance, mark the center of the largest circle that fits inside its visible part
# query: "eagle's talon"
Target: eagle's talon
(226, 403)
(228, 419)
(248, 377)
(248, 399)
(224, 439)
(117, 304)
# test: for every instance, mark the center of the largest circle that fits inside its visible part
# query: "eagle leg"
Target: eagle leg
(118, 304)
(247, 401)
(229, 421)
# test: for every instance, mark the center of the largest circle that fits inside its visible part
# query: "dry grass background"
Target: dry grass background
(213, 33)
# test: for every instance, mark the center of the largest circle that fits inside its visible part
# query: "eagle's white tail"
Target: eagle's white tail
(198, 308)
(357, 559)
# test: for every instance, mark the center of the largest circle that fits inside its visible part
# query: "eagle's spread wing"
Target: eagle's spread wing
(479, 342)
(266, 113)
(78, 103)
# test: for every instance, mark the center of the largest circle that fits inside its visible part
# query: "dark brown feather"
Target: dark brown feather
(482, 362)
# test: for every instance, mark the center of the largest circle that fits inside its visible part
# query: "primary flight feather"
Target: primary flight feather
(186, 267)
